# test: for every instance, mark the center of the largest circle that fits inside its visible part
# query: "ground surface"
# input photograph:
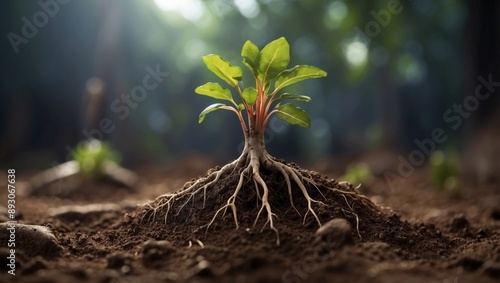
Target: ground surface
(420, 235)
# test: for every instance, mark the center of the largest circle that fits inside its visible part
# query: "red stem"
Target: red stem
(268, 117)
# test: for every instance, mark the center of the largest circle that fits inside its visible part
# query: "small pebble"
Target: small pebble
(202, 269)
(154, 252)
(164, 246)
(495, 214)
(78, 273)
(469, 264)
(481, 234)
(459, 222)
(31, 240)
(335, 233)
(492, 269)
(37, 264)
(118, 261)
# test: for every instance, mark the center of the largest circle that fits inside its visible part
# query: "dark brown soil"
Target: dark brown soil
(430, 236)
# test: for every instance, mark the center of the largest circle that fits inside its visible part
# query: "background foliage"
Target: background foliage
(383, 89)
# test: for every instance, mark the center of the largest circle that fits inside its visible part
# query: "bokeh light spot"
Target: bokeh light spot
(356, 53)
(192, 10)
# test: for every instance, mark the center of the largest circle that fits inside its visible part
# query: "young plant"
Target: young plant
(93, 156)
(258, 103)
(357, 173)
(266, 65)
(98, 159)
(92, 160)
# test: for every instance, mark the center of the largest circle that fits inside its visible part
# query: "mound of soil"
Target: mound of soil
(253, 249)
(117, 242)
(188, 218)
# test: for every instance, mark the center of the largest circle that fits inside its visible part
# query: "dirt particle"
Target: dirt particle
(78, 273)
(157, 245)
(168, 276)
(32, 267)
(482, 233)
(495, 214)
(154, 252)
(119, 261)
(459, 222)
(422, 229)
(335, 233)
(468, 263)
(202, 269)
(492, 269)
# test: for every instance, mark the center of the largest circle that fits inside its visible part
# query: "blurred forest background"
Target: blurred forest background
(394, 68)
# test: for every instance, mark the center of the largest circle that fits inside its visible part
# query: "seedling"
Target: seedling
(92, 157)
(257, 104)
(98, 159)
(357, 173)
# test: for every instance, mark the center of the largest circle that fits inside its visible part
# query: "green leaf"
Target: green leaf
(209, 109)
(250, 95)
(224, 70)
(91, 157)
(250, 54)
(274, 59)
(293, 115)
(297, 74)
(296, 97)
(241, 106)
(214, 90)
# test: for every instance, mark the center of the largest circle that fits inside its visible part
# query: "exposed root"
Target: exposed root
(357, 220)
(231, 202)
(249, 165)
(200, 243)
(167, 200)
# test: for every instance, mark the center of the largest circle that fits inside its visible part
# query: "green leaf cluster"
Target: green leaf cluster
(91, 156)
(357, 173)
(266, 65)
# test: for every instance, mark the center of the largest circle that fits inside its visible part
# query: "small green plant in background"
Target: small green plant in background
(357, 173)
(92, 156)
(445, 171)
(92, 160)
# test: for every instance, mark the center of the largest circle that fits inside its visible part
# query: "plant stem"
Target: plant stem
(267, 118)
(254, 142)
